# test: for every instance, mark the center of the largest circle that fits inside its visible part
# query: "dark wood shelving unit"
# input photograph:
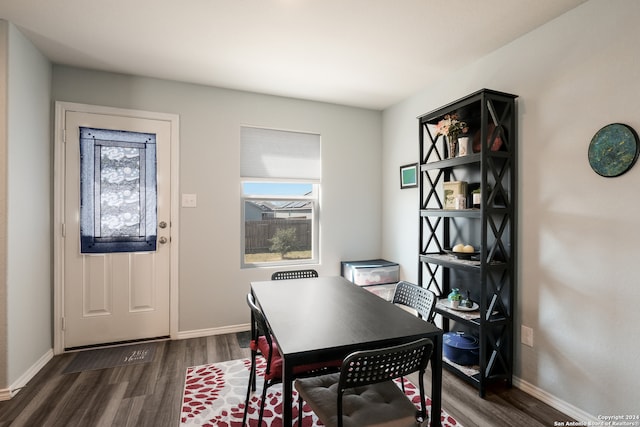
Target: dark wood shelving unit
(490, 276)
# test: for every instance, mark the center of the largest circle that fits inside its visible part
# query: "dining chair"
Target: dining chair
(262, 342)
(294, 274)
(417, 298)
(363, 393)
(420, 299)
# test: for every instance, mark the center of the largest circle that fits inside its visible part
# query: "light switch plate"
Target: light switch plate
(526, 335)
(189, 200)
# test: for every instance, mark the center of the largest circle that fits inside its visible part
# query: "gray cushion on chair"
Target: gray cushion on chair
(379, 405)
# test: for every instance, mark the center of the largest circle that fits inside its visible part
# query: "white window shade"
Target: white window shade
(268, 153)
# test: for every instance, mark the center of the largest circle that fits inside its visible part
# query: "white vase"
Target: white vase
(464, 147)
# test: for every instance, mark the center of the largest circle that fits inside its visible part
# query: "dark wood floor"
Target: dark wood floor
(150, 394)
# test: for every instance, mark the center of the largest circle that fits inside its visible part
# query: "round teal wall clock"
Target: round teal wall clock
(613, 150)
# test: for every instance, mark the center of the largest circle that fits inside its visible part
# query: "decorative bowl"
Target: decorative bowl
(462, 255)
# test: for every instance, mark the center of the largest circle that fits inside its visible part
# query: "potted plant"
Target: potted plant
(454, 297)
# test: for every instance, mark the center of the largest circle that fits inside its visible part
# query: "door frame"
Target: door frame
(61, 108)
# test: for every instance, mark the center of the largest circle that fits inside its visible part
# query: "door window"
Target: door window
(118, 200)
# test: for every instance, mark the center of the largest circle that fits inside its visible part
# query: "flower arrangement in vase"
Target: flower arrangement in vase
(451, 127)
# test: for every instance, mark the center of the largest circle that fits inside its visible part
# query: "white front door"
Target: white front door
(122, 294)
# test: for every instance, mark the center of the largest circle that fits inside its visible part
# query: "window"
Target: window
(118, 191)
(280, 174)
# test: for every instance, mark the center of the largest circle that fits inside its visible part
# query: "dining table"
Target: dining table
(326, 318)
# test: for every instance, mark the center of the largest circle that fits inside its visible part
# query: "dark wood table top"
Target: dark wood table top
(331, 317)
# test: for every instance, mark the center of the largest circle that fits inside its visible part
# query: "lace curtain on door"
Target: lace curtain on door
(118, 201)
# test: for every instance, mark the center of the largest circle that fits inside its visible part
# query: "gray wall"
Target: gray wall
(578, 232)
(28, 211)
(212, 284)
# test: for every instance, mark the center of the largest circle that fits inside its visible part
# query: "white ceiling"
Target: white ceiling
(366, 53)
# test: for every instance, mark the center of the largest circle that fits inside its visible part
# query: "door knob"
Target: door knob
(162, 224)
(163, 240)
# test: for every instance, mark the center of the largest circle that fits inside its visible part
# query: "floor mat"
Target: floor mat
(103, 358)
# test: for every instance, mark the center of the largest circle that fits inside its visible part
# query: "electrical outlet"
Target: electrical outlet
(526, 335)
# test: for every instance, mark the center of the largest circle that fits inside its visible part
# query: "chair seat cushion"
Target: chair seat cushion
(380, 405)
(275, 371)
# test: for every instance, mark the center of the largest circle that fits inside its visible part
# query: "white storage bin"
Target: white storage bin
(371, 272)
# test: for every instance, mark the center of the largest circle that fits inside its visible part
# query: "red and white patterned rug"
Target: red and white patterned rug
(214, 396)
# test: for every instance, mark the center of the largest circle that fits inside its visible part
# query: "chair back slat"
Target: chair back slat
(294, 274)
(374, 366)
(420, 299)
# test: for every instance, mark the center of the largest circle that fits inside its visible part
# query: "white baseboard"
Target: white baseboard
(214, 331)
(6, 394)
(559, 404)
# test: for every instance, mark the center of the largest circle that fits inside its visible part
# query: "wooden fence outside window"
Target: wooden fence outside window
(258, 233)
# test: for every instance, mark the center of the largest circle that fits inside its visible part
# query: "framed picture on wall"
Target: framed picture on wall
(409, 176)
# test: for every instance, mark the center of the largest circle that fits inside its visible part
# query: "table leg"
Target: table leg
(436, 382)
(287, 393)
